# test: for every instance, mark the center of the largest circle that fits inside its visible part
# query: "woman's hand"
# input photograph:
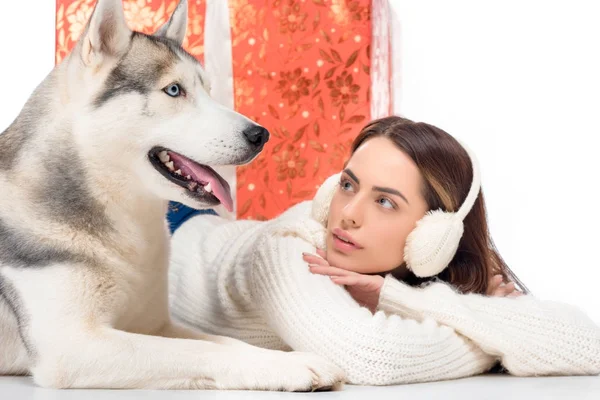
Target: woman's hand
(499, 289)
(365, 289)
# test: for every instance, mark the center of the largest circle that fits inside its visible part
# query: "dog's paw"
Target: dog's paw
(323, 374)
(290, 372)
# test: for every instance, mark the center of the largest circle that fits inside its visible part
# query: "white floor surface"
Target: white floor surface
(487, 387)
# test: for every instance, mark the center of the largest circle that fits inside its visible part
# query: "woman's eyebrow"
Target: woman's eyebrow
(390, 191)
(351, 174)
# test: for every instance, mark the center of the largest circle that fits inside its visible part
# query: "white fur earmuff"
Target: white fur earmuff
(433, 243)
(323, 197)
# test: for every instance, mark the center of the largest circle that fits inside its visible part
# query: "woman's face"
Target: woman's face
(375, 207)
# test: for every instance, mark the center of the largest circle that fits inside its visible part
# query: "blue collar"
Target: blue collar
(178, 213)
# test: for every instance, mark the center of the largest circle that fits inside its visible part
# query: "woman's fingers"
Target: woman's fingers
(348, 280)
(509, 287)
(312, 259)
(500, 292)
(495, 282)
(321, 253)
(505, 290)
(498, 288)
(330, 271)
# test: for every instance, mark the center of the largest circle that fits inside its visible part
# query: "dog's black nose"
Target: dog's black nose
(257, 135)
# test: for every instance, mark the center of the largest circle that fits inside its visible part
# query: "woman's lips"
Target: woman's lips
(342, 241)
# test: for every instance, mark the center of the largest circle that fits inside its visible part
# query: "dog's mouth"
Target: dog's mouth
(202, 182)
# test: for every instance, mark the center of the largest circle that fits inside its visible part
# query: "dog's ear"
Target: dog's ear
(106, 34)
(176, 27)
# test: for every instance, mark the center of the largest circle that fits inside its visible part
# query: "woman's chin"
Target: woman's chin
(340, 260)
(351, 263)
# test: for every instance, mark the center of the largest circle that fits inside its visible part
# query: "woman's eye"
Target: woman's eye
(387, 203)
(173, 90)
(346, 185)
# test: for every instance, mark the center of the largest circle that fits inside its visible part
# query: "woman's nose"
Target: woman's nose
(351, 214)
(349, 223)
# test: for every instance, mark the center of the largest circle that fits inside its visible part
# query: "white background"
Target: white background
(518, 80)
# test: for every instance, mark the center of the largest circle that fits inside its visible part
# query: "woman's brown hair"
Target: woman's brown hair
(447, 174)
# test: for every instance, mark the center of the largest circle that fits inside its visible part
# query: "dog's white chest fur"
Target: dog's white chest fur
(142, 277)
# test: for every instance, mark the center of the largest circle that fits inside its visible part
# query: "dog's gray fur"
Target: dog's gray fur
(19, 251)
(25, 125)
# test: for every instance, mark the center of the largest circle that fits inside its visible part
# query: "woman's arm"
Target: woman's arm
(531, 337)
(310, 313)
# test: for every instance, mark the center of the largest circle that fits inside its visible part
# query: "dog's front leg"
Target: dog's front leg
(102, 357)
(176, 330)
(70, 311)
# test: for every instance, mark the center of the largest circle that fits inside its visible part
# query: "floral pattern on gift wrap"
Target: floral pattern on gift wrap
(308, 62)
(142, 15)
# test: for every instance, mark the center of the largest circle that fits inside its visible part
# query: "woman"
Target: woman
(429, 159)
(252, 281)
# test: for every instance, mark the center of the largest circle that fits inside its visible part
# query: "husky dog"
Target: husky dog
(123, 125)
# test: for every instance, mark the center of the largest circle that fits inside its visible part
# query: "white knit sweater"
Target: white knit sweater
(247, 280)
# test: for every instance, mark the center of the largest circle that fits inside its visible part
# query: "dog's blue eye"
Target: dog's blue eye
(173, 90)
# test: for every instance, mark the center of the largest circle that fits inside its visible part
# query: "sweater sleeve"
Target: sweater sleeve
(312, 314)
(532, 337)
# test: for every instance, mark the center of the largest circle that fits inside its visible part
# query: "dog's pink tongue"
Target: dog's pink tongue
(205, 175)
